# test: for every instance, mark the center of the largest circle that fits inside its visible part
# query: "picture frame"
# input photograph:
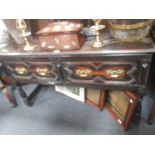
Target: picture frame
(95, 97)
(121, 105)
(77, 93)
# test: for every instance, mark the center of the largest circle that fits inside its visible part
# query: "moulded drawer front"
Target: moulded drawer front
(33, 70)
(103, 72)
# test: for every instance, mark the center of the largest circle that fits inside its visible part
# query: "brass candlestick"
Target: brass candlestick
(22, 26)
(98, 42)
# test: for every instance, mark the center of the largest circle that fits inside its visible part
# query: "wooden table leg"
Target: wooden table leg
(29, 99)
(152, 114)
(7, 95)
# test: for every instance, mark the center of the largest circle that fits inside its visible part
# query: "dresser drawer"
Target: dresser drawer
(121, 73)
(39, 71)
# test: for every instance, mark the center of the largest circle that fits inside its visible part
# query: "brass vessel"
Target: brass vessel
(130, 29)
(98, 42)
(21, 25)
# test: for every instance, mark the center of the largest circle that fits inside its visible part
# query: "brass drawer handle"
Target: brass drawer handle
(111, 73)
(83, 72)
(42, 71)
(115, 73)
(21, 70)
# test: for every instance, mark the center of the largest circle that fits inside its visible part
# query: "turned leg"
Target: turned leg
(7, 95)
(152, 114)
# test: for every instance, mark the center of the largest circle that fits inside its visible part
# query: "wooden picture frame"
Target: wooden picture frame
(95, 97)
(123, 108)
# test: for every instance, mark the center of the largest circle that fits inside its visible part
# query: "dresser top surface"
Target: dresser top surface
(112, 46)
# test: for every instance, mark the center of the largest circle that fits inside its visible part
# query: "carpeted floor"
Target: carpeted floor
(54, 114)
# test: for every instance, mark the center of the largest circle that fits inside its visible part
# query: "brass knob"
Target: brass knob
(83, 72)
(115, 73)
(21, 70)
(43, 71)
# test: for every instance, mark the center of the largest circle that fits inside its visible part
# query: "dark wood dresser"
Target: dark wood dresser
(117, 66)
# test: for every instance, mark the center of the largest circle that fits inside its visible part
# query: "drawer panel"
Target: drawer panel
(104, 72)
(33, 70)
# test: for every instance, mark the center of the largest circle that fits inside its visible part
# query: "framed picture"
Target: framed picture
(121, 105)
(77, 93)
(95, 97)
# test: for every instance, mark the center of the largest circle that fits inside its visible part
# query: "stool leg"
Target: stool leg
(29, 99)
(7, 95)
